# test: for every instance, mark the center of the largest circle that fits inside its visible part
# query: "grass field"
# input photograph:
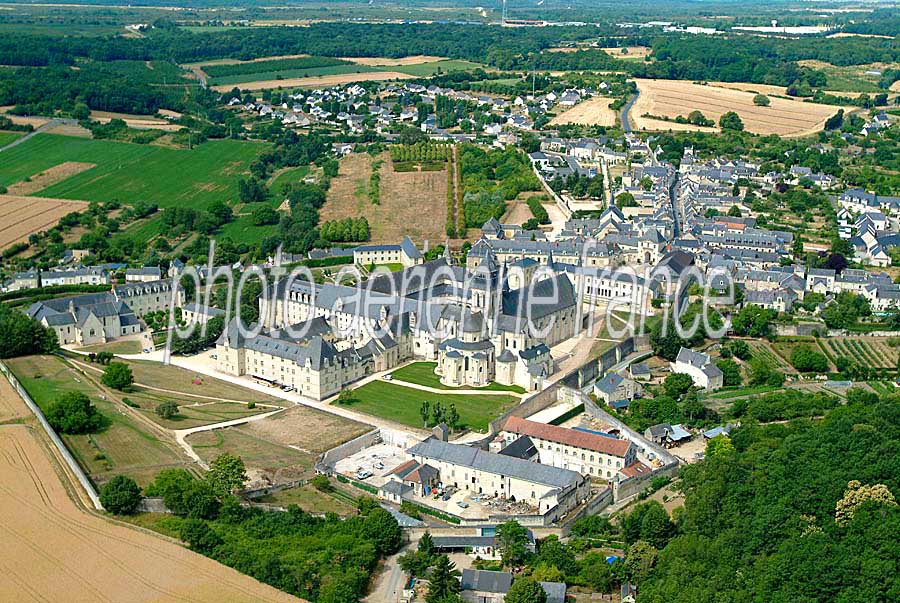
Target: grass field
(127, 445)
(126, 346)
(55, 551)
(412, 203)
(287, 176)
(401, 404)
(432, 68)
(8, 137)
(422, 373)
(262, 457)
(851, 78)
(306, 428)
(310, 500)
(132, 172)
(669, 98)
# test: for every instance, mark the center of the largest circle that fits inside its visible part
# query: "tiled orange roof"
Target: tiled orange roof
(569, 437)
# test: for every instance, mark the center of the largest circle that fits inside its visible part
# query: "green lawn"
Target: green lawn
(422, 373)
(739, 392)
(285, 177)
(128, 346)
(401, 404)
(310, 500)
(242, 230)
(8, 137)
(132, 172)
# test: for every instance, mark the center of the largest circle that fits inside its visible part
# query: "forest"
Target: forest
(778, 516)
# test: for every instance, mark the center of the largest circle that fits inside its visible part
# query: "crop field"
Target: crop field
(669, 98)
(873, 352)
(22, 216)
(132, 172)
(264, 459)
(412, 203)
(431, 68)
(8, 137)
(320, 81)
(401, 404)
(592, 112)
(240, 73)
(761, 349)
(139, 122)
(54, 551)
(388, 62)
(631, 52)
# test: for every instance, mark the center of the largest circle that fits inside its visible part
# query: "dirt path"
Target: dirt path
(181, 435)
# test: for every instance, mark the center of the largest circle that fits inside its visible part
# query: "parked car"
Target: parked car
(388, 377)
(363, 474)
(462, 504)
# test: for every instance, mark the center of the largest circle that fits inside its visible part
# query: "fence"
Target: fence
(76, 469)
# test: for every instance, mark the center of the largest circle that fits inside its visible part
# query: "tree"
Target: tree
(805, 360)
(731, 372)
(346, 398)
(321, 483)
(73, 413)
(443, 583)
(735, 211)
(200, 537)
(383, 531)
(640, 560)
(857, 495)
(20, 335)
(731, 121)
(117, 375)
(426, 544)
(719, 446)
(425, 412)
(512, 541)
(227, 473)
(167, 410)
(761, 100)
(526, 590)
(121, 495)
(677, 384)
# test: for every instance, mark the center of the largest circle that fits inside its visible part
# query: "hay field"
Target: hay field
(52, 175)
(21, 216)
(634, 52)
(412, 203)
(386, 62)
(671, 98)
(318, 82)
(138, 122)
(54, 551)
(594, 111)
(771, 90)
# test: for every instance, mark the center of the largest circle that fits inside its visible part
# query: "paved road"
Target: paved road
(626, 123)
(36, 131)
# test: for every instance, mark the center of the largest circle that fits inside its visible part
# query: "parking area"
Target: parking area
(377, 461)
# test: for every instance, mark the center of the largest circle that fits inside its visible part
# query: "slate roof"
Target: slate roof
(521, 448)
(486, 581)
(498, 464)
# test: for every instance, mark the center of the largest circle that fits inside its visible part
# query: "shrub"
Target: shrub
(73, 413)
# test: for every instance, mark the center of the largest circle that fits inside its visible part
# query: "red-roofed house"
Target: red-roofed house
(589, 453)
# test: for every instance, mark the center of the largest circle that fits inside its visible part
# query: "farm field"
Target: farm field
(412, 203)
(288, 73)
(21, 216)
(318, 81)
(873, 352)
(139, 122)
(761, 349)
(388, 62)
(591, 112)
(431, 68)
(632, 52)
(401, 404)
(131, 172)
(8, 137)
(54, 551)
(670, 98)
(422, 373)
(852, 78)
